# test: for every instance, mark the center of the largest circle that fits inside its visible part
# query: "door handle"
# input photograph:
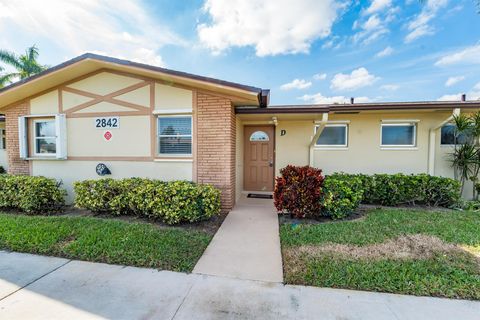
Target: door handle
(270, 163)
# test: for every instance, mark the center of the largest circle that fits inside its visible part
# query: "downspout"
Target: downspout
(316, 136)
(432, 138)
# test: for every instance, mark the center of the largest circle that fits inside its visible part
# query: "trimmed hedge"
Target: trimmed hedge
(173, 202)
(31, 194)
(397, 189)
(340, 197)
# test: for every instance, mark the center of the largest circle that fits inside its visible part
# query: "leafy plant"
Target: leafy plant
(30, 194)
(340, 197)
(172, 202)
(298, 191)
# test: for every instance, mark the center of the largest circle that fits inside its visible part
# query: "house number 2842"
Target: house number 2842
(107, 123)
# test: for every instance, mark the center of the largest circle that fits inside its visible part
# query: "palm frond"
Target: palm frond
(10, 58)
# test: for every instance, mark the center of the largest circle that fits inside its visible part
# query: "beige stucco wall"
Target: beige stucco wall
(70, 171)
(104, 83)
(45, 104)
(363, 154)
(239, 159)
(131, 139)
(172, 98)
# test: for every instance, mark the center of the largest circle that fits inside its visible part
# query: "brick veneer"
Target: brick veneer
(15, 164)
(216, 130)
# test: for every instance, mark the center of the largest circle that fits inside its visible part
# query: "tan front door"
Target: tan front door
(259, 156)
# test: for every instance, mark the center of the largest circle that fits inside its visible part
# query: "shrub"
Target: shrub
(2, 170)
(31, 194)
(397, 189)
(298, 191)
(173, 202)
(340, 197)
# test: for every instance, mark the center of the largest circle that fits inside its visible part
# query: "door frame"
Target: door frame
(274, 141)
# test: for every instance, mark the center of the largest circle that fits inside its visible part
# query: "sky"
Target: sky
(304, 51)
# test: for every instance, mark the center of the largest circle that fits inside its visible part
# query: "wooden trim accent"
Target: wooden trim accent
(107, 98)
(153, 126)
(194, 137)
(60, 101)
(107, 114)
(112, 158)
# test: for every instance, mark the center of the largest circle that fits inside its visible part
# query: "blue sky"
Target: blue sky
(315, 51)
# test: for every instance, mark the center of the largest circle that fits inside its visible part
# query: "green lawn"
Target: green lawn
(354, 262)
(104, 240)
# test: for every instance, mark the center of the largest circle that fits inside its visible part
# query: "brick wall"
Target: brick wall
(15, 164)
(216, 130)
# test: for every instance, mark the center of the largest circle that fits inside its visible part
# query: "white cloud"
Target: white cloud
(453, 80)
(270, 26)
(371, 29)
(359, 78)
(73, 27)
(477, 87)
(390, 87)
(318, 98)
(419, 26)
(299, 84)
(378, 5)
(320, 76)
(450, 97)
(469, 55)
(385, 52)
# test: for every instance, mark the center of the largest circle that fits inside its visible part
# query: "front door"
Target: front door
(259, 156)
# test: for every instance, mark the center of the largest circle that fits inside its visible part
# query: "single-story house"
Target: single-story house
(145, 121)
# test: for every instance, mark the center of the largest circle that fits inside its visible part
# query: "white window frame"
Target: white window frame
(399, 124)
(3, 135)
(174, 155)
(333, 146)
(35, 138)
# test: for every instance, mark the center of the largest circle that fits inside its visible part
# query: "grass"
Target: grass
(104, 240)
(452, 274)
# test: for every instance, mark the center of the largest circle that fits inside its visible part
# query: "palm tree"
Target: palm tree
(25, 65)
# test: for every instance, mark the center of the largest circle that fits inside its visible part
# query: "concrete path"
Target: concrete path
(36, 287)
(247, 245)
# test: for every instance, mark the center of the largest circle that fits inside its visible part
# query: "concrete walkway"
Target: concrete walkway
(247, 245)
(37, 287)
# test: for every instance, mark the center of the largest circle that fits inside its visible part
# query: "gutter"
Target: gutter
(432, 140)
(311, 147)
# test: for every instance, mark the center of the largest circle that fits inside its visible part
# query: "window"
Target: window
(3, 139)
(175, 135)
(259, 136)
(333, 135)
(449, 136)
(398, 134)
(44, 137)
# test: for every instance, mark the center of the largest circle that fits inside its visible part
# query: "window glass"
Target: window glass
(448, 135)
(175, 135)
(45, 139)
(333, 135)
(3, 139)
(398, 134)
(259, 136)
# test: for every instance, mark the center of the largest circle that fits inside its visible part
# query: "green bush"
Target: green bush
(30, 194)
(340, 197)
(397, 189)
(172, 202)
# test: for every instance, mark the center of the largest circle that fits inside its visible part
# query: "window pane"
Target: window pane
(45, 129)
(448, 135)
(398, 135)
(259, 136)
(335, 136)
(46, 146)
(173, 126)
(175, 145)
